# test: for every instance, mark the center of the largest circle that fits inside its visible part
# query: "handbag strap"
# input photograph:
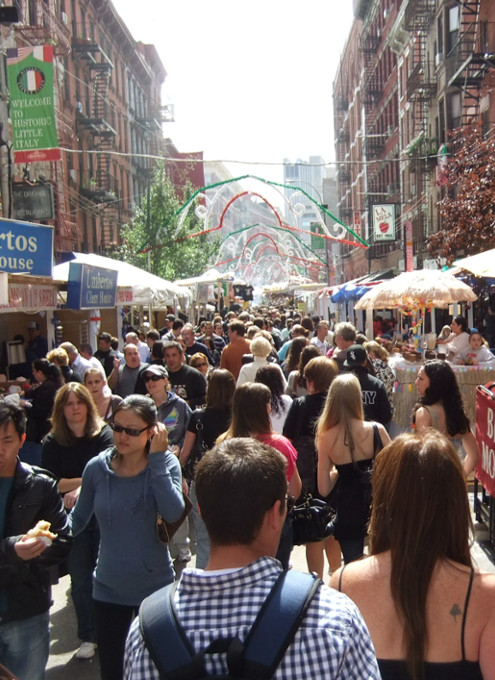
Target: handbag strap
(199, 430)
(377, 441)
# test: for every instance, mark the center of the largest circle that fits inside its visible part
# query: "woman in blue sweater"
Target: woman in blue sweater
(126, 486)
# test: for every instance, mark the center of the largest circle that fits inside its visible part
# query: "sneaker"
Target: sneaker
(87, 650)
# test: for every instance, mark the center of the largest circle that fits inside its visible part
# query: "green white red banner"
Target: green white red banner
(32, 110)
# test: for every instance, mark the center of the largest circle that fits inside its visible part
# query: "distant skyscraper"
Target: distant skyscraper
(308, 176)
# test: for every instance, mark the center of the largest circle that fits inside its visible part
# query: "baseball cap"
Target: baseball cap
(34, 326)
(356, 356)
(156, 369)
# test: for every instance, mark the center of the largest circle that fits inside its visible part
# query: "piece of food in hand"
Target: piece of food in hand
(41, 530)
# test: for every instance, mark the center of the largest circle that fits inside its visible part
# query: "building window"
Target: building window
(453, 28)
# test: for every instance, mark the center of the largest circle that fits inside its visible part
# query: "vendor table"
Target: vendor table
(406, 395)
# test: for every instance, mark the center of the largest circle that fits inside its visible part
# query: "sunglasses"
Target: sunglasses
(153, 378)
(130, 431)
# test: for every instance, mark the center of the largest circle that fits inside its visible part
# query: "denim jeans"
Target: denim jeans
(25, 645)
(202, 539)
(81, 563)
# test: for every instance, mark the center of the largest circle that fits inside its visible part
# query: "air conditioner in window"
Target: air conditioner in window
(73, 174)
(64, 17)
(438, 58)
(79, 107)
(386, 13)
(390, 129)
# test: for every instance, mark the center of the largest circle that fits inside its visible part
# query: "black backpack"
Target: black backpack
(256, 659)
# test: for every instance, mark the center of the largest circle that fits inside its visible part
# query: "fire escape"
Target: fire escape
(98, 185)
(421, 88)
(469, 59)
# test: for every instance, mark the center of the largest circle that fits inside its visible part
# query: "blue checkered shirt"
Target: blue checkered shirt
(332, 641)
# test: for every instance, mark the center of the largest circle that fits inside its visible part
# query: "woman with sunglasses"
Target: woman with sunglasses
(126, 486)
(199, 361)
(77, 435)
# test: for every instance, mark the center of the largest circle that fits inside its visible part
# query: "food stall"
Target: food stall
(415, 293)
(135, 288)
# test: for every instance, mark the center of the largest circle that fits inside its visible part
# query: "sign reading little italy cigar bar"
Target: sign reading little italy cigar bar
(32, 110)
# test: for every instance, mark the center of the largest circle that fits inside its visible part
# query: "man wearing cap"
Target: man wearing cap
(37, 347)
(376, 405)
(173, 411)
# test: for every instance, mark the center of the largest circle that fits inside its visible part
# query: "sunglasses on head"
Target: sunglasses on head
(154, 378)
(130, 431)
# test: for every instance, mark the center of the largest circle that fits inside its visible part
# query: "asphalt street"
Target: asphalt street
(63, 665)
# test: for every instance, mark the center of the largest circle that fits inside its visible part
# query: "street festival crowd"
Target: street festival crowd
(118, 468)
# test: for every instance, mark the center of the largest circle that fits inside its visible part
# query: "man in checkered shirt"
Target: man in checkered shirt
(242, 489)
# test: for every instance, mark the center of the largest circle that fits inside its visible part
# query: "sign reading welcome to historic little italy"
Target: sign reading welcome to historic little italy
(32, 110)
(26, 248)
(91, 287)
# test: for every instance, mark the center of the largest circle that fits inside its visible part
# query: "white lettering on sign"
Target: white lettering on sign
(488, 459)
(489, 424)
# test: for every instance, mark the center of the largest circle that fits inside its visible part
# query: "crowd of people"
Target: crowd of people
(113, 440)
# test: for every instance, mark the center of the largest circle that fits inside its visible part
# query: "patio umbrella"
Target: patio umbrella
(417, 290)
(482, 264)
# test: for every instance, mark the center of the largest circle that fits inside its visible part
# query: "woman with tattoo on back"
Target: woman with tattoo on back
(430, 614)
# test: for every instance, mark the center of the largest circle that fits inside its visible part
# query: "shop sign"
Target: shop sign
(26, 297)
(25, 248)
(32, 104)
(125, 296)
(32, 201)
(383, 220)
(485, 436)
(90, 287)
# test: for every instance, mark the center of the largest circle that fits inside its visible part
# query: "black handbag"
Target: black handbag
(313, 520)
(165, 530)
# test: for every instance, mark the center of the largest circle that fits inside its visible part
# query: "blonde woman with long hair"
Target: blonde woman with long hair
(347, 445)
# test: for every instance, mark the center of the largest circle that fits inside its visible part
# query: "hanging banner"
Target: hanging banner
(32, 111)
(383, 217)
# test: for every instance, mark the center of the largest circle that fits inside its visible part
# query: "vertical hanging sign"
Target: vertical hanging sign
(32, 111)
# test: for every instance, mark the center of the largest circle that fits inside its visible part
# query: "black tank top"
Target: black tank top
(396, 669)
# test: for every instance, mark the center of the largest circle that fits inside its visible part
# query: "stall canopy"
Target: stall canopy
(147, 289)
(482, 264)
(210, 276)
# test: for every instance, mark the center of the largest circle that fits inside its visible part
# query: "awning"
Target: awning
(147, 288)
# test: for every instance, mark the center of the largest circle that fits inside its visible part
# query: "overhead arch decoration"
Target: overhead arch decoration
(267, 250)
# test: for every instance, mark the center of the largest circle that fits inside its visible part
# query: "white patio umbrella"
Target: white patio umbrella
(421, 289)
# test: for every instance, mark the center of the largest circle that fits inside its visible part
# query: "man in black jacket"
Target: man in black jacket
(376, 404)
(27, 496)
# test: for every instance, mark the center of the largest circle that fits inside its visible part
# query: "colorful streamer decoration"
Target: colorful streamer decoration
(268, 251)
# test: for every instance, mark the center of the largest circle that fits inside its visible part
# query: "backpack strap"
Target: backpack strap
(158, 622)
(272, 632)
(277, 623)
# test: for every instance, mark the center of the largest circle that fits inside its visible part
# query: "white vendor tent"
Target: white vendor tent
(147, 289)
